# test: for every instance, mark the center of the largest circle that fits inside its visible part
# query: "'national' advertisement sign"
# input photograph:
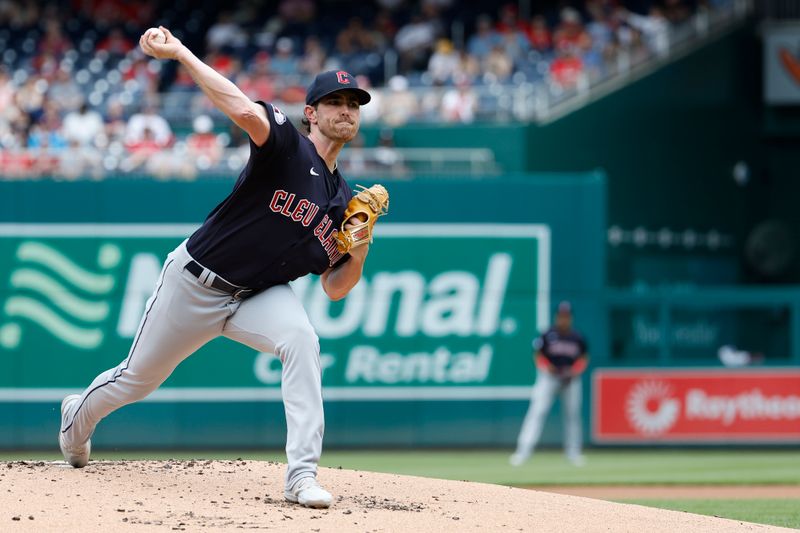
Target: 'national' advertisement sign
(709, 406)
(443, 311)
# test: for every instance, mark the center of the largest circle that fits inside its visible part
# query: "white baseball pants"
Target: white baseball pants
(180, 317)
(544, 391)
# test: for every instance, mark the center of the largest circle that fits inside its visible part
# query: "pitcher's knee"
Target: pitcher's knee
(298, 337)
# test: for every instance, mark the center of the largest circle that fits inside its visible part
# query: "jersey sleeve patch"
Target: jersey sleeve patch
(280, 118)
(280, 140)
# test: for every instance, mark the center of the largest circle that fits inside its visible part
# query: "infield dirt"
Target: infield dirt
(123, 496)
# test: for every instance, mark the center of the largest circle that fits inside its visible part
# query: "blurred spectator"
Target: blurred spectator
(16, 163)
(226, 34)
(468, 65)
(83, 127)
(30, 97)
(444, 63)
(80, 161)
(354, 38)
(632, 44)
(147, 126)
(459, 103)
(266, 36)
(312, 61)
(140, 150)
(284, 63)
(414, 42)
(222, 62)
(570, 32)
(601, 31)
(508, 21)
(64, 90)
(116, 43)
(43, 136)
(566, 69)
(654, 28)
(256, 86)
(384, 30)
(46, 65)
(516, 45)
(18, 15)
(142, 71)
(114, 123)
(399, 104)
(481, 43)
(183, 81)
(498, 64)
(54, 42)
(7, 91)
(539, 34)
(257, 82)
(45, 144)
(372, 111)
(203, 146)
(148, 156)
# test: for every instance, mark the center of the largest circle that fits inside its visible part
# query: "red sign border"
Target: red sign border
(660, 372)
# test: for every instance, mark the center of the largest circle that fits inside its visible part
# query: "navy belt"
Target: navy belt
(239, 293)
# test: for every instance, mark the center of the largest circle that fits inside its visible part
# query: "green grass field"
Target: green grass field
(604, 467)
(778, 512)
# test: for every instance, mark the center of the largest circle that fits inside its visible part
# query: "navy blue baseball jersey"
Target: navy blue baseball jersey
(561, 349)
(281, 219)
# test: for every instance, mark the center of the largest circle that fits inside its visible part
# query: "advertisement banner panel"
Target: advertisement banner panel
(438, 310)
(717, 405)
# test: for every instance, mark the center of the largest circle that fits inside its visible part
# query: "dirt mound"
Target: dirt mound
(215, 496)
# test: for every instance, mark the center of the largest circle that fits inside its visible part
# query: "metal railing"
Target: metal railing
(179, 162)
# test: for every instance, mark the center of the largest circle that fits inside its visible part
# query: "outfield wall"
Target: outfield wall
(432, 349)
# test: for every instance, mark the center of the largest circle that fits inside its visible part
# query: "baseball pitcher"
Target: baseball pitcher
(290, 213)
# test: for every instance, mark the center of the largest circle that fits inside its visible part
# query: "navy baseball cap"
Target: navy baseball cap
(564, 308)
(331, 81)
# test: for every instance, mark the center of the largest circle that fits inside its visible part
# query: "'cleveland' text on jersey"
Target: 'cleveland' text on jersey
(281, 219)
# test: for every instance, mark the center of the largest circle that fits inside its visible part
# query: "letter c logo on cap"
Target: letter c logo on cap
(342, 77)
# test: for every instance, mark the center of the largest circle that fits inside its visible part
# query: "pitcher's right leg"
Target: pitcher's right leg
(179, 318)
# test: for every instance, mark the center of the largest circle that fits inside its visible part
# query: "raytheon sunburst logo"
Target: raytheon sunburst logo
(651, 408)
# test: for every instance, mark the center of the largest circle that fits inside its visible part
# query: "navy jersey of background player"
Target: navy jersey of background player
(561, 349)
(281, 219)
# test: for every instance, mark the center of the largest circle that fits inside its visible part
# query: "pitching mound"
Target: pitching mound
(215, 496)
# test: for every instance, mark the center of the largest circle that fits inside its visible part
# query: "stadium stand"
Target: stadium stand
(74, 86)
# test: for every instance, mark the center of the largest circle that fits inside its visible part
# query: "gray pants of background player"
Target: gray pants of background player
(180, 317)
(544, 390)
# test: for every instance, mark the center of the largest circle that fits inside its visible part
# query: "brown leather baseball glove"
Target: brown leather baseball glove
(370, 203)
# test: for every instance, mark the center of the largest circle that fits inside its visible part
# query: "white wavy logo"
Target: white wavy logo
(650, 407)
(47, 282)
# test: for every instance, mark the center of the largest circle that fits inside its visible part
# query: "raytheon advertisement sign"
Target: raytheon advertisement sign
(696, 406)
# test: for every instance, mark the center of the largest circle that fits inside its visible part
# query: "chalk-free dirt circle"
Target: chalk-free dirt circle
(123, 496)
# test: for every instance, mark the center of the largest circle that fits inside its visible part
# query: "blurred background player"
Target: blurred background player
(560, 355)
